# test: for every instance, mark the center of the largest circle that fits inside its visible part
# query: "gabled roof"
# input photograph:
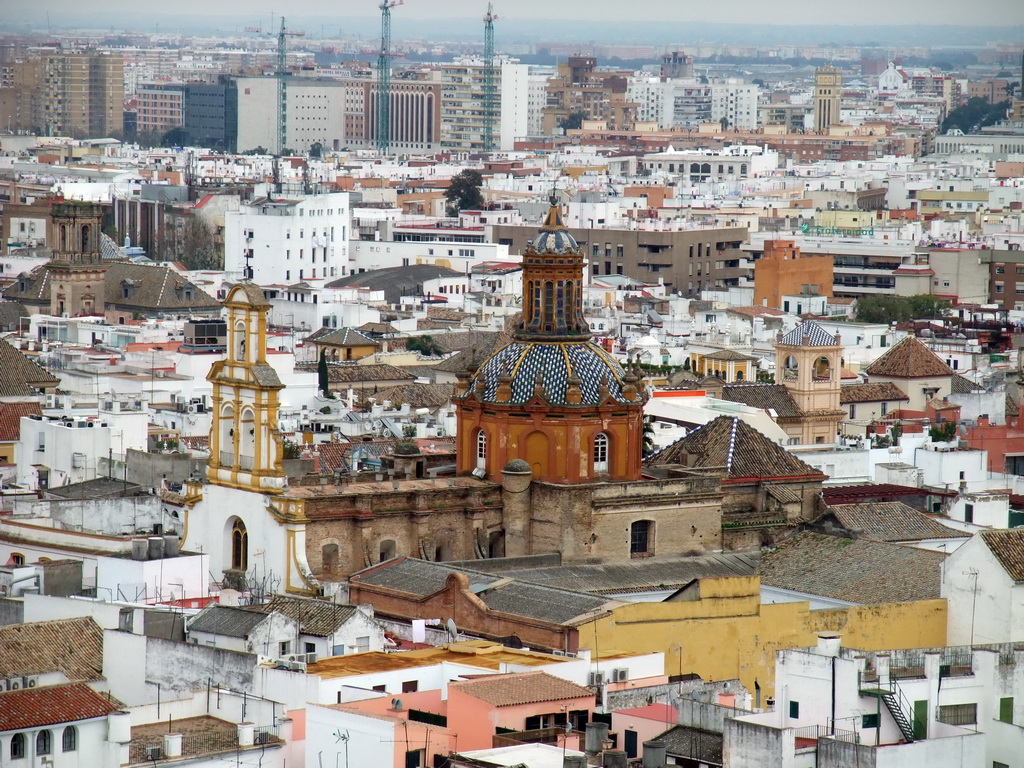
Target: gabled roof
(20, 376)
(882, 391)
(961, 385)
(418, 395)
(809, 334)
(51, 705)
(854, 570)
(763, 396)
(226, 620)
(518, 598)
(731, 443)
(315, 617)
(510, 690)
(345, 337)
(1008, 548)
(395, 281)
(909, 359)
(10, 419)
(354, 373)
(891, 521)
(71, 646)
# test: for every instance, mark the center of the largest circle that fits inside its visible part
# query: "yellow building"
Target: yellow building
(726, 364)
(719, 629)
(828, 92)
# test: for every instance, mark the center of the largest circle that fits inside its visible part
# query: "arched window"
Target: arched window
(481, 449)
(641, 538)
(601, 453)
(44, 743)
(227, 435)
(17, 558)
(239, 546)
(822, 368)
(549, 302)
(70, 739)
(330, 557)
(387, 550)
(240, 342)
(792, 366)
(18, 746)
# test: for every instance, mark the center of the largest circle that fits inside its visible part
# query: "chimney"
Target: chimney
(828, 645)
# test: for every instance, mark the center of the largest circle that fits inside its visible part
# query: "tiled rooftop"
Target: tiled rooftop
(909, 359)
(857, 571)
(522, 688)
(51, 705)
(71, 646)
(891, 521)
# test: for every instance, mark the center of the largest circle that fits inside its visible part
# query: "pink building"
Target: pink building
(487, 706)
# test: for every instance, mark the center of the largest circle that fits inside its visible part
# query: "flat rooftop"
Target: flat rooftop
(477, 653)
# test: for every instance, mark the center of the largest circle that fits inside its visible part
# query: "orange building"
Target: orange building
(783, 271)
(551, 398)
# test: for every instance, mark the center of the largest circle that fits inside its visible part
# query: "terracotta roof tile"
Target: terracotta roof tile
(315, 617)
(891, 521)
(71, 646)
(10, 419)
(855, 570)
(19, 375)
(1008, 548)
(764, 396)
(909, 359)
(521, 688)
(52, 705)
(881, 391)
(731, 443)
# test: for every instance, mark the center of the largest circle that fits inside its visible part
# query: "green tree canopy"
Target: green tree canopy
(899, 309)
(464, 191)
(974, 114)
(573, 121)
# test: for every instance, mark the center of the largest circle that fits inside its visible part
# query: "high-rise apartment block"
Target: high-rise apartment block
(64, 94)
(580, 89)
(828, 92)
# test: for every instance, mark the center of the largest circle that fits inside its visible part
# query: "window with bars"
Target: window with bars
(958, 714)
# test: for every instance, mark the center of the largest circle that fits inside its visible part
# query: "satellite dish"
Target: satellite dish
(453, 632)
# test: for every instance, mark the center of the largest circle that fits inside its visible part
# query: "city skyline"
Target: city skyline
(795, 12)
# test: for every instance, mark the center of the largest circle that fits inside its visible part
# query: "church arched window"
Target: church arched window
(549, 303)
(85, 238)
(792, 366)
(641, 538)
(481, 449)
(227, 435)
(240, 342)
(601, 453)
(239, 546)
(822, 368)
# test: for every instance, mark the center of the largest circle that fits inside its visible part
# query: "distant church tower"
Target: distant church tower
(551, 404)
(828, 94)
(809, 362)
(76, 267)
(245, 446)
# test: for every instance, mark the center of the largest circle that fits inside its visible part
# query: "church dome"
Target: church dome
(522, 365)
(554, 241)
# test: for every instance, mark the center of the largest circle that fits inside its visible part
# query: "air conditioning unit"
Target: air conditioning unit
(596, 680)
(154, 753)
(620, 675)
(297, 666)
(310, 658)
(191, 408)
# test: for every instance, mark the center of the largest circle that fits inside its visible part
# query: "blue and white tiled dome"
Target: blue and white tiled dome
(554, 241)
(521, 361)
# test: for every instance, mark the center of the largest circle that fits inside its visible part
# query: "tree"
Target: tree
(898, 309)
(464, 191)
(648, 436)
(942, 432)
(572, 121)
(323, 380)
(191, 243)
(425, 345)
(976, 113)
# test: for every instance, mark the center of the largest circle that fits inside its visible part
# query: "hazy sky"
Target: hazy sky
(839, 12)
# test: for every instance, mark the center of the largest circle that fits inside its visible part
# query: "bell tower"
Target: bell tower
(808, 362)
(245, 446)
(76, 267)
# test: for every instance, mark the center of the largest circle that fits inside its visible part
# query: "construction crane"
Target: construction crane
(282, 85)
(490, 80)
(384, 77)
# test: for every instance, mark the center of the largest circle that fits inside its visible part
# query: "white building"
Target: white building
(315, 114)
(668, 103)
(735, 103)
(286, 241)
(463, 86)
(983, 582)
(835, 707)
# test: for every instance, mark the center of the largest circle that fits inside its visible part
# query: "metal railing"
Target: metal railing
(823, 731)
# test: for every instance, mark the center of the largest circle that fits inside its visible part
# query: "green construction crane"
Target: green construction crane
(490, 80)
(282, 86)
(384, 77)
